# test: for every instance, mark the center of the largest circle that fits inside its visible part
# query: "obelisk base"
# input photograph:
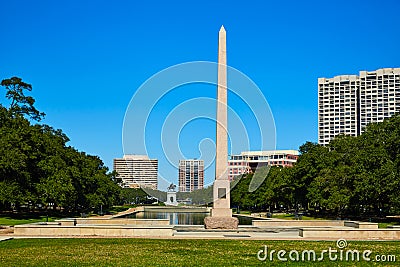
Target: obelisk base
(221, 223)
(221, 212)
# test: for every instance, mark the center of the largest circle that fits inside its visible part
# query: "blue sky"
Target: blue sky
(86, 59)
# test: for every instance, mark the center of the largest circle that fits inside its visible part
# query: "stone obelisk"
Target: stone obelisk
(221, 214)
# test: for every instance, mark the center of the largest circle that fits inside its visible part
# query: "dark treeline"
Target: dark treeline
(352, 176)
(38, 168)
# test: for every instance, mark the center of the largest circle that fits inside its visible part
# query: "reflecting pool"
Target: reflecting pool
(181, 218)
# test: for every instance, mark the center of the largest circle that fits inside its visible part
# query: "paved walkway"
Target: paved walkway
(126, 212)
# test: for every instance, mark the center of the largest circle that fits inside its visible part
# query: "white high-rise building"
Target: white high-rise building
(337, 107)
(379, 95)
(191, 175)
(137, 171)
(347, 103)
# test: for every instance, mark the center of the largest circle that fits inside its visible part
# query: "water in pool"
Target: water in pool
(182, 218)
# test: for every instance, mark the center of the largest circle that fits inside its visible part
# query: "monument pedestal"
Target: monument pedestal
(171, 199)
(221, 223)
(221, 214)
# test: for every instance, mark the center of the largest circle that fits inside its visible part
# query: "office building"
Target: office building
(347, 103)
(137, 171)
(191, 175)
(379, 95)
(248, 161)
(337, 107)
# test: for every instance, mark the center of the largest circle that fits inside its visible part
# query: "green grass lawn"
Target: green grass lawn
(386, 224)
(153, 252)
(14, 221)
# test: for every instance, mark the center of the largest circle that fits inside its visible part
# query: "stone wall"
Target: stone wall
(122, 221)
(350, 233)
(92, 230)
(361, 225)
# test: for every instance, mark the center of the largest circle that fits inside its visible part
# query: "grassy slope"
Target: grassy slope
(152, 252)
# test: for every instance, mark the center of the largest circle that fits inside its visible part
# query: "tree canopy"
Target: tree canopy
(38, 167)
(350, 176)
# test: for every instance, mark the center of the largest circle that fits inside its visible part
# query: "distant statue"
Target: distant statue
(171, 187)
(171, 196)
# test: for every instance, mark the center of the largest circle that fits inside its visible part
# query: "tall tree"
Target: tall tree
(20, 103)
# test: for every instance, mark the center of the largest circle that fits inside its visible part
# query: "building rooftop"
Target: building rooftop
(136, 157)
(269, 152)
